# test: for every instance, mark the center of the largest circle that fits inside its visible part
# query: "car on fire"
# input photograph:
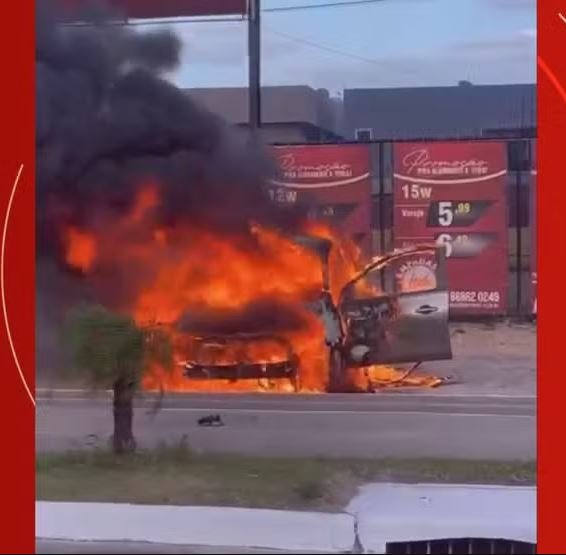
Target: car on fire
(394, 311)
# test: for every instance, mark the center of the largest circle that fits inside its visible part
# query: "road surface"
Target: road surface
(381, 425)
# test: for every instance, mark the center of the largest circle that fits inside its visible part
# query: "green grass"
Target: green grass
(174, 475)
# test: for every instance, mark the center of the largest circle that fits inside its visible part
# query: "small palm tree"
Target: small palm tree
(113, 352)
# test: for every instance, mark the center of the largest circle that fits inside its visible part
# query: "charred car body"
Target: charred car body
(394, 311)
(204, 365)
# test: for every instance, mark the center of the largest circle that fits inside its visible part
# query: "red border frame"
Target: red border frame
(551, 202)
(17, 145)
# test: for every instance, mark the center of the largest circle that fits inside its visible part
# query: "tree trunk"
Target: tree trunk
(123, 439)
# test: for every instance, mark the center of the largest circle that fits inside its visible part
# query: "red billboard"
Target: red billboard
(453, 194)
(147, 9)
(333, 181)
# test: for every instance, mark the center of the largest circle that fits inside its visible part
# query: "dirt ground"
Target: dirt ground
(496, 359)
(489, 359)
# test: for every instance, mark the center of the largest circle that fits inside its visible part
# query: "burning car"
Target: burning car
(266, 308)
(393, 311)
(153, 207)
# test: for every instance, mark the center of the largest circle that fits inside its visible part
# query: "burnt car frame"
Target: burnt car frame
(378, 319)
(245, 368)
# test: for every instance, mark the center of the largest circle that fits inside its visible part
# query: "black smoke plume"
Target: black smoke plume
(255, 318)
(108, 122)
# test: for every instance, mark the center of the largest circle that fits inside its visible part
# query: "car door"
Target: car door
(396, 310)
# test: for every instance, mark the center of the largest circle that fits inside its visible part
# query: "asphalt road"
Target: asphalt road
(381, 425)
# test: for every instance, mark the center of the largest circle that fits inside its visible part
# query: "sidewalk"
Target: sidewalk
(199, 526)
(379, 515)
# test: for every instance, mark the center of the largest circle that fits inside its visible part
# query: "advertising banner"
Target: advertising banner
(453, 194)
(333, 181)
(148, 9)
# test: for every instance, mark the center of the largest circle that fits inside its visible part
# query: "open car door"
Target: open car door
(396, 310)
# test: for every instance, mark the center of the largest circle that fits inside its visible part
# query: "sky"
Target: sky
(388, 43)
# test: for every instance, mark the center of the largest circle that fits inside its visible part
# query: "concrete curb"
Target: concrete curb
(206, 526)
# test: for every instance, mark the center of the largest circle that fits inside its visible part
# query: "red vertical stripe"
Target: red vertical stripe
(551, 246)
(17, 306)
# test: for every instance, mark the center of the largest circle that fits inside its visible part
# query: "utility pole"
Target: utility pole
(254, 58)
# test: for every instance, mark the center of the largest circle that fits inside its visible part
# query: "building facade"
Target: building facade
(464, 111)
(290, 114)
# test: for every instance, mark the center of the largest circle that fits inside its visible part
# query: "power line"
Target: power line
(324, 48)
(325, 5)
(179, 20)
(292, 38)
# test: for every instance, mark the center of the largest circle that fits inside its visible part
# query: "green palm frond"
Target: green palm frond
(107, 346)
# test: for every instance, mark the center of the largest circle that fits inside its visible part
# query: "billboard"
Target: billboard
(333, 181)
(147, 9)
(453, 194)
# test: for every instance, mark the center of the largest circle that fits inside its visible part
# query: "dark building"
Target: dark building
(301, 114)
(290, 114)
(463, 111)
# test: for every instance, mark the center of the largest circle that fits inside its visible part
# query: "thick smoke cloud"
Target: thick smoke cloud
(107, 120)
(257, 317)
(107, 123)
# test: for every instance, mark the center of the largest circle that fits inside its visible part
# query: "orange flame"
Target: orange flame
(187, 269)
(81, 249)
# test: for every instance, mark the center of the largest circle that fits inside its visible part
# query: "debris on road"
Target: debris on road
(212, 420)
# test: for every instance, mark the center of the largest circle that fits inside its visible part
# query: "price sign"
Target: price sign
(456, 213)
(465, 245)
(453, 194)
(332, 182)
